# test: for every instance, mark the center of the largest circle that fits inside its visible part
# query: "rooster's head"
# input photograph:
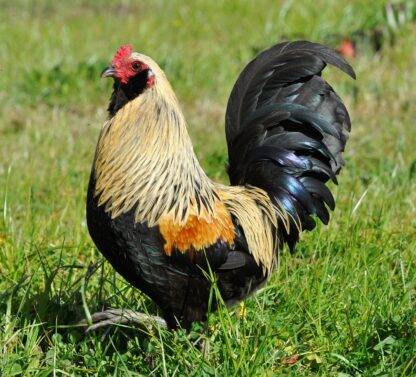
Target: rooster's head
(130, 68)
(133, 74)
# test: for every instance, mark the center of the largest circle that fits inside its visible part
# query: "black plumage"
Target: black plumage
(286, 130)
(177, 284)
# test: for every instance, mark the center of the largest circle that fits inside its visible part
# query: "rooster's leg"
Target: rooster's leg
(123, 316)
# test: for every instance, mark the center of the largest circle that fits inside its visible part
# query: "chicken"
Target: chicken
(165, 226)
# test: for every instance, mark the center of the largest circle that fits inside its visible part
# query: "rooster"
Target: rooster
(166, 227)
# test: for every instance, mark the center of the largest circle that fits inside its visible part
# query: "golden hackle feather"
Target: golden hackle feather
(145, 160)
(257, 216)
(145, 157)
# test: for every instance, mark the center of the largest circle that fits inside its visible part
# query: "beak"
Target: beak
(108, 72)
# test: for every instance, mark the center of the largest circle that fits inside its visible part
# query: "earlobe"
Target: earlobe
(150, 78)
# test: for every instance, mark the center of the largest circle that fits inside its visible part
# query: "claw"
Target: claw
(122, 317)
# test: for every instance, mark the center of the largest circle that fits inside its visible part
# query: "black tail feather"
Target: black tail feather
(286, 131)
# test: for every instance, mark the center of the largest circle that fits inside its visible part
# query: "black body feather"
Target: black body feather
(178, 283)
(286, 130)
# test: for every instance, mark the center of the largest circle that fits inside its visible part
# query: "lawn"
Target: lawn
(342, 305)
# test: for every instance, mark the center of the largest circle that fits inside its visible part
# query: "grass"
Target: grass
(343, 305)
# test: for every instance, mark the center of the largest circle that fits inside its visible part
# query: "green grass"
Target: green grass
(344, 304)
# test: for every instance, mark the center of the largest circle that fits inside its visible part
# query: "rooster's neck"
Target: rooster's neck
(145, 160)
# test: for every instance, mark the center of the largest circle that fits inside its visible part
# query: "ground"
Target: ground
(342, 305)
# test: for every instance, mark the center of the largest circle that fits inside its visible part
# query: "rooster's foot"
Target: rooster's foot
(121, 317)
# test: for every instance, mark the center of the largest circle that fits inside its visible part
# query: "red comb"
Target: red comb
(122, 53)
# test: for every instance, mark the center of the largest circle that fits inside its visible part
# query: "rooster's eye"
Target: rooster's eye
(135, 65)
